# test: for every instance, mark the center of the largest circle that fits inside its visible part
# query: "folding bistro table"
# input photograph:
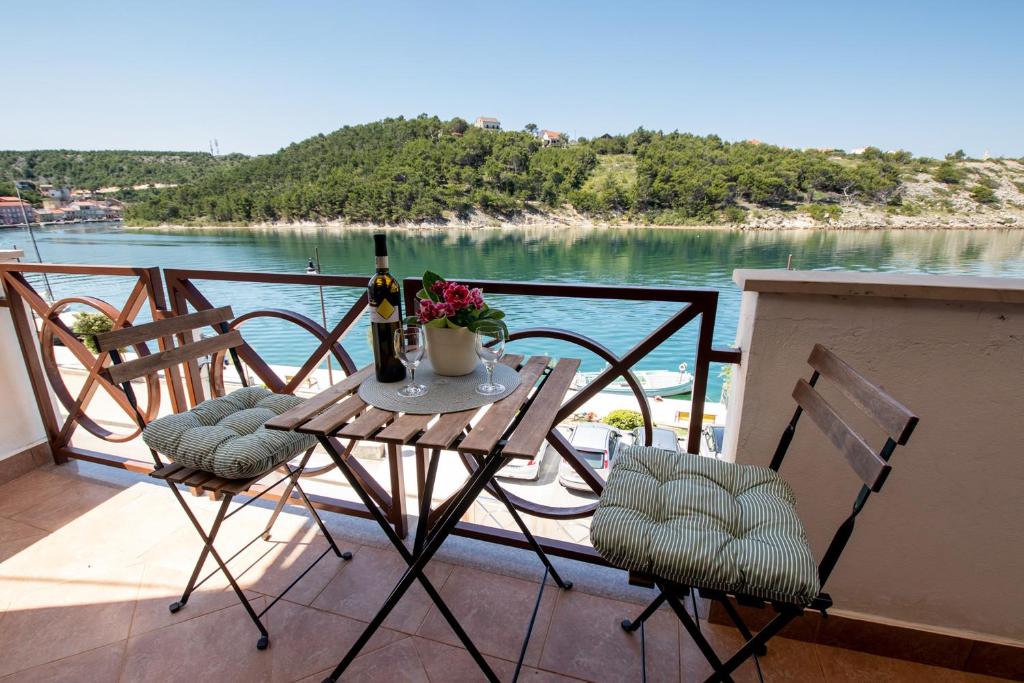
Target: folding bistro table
(513, 427)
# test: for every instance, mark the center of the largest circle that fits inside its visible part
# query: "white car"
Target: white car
(598, 444)
(525, 469)
(662, 437)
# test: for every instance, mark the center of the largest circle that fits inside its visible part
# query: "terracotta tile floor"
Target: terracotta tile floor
(87, 569)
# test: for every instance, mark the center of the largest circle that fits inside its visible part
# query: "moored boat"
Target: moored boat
(653, 382)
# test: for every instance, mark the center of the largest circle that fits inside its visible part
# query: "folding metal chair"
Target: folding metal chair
(690, 523)
(220, 446)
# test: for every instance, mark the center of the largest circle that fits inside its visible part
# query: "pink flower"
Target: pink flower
(476, 297)
(457, 296)
(428, 311)
(439, 288)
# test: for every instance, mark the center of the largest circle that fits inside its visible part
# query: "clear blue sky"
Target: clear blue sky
(929, 76)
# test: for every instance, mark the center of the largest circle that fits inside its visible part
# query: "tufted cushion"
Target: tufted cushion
(706, 523)
(226, 435)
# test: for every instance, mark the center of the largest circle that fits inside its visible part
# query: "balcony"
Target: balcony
(92, 550)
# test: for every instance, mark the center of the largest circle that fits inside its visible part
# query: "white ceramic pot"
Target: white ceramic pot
(452, 352)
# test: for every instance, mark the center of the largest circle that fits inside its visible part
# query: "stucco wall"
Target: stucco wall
(942, 546)
(20, 426)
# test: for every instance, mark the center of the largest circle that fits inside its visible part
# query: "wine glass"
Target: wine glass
(490, 345)
(409, 344)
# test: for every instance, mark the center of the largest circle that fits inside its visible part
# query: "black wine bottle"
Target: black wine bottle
(385, 298)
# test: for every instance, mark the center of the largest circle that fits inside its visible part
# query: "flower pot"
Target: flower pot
(452, 352)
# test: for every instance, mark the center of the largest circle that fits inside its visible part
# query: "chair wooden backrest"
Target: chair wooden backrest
(894, 418)
(124, 372)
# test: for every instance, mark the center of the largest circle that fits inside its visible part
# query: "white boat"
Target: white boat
(653, 382)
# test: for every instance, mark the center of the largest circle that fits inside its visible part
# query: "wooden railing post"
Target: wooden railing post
(24, 330)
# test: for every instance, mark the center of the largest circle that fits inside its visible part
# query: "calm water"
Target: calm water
(667, 258)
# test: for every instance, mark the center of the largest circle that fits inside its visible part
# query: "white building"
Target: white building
(487, 123)
(550, 137)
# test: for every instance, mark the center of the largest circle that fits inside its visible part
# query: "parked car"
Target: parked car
(712, 438)
(598, 444)
(662, 437)
(525, 469)
(530, 469)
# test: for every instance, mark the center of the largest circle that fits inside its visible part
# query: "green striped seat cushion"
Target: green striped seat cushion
(226, 435)
(703, 522)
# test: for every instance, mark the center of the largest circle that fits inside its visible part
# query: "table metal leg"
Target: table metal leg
(500, 494)
(471, 489)
(426, 493)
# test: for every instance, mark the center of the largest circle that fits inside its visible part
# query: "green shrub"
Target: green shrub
(624, 419)
(87, 325)
(734, 214)
(823, 213)
(1020, 186)
(949, 173)
(984, 195)
(904, 209)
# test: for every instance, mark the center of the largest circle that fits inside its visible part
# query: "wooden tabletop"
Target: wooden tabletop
(339, 412)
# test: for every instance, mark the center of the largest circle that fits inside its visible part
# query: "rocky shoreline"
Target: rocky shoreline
(856, 218)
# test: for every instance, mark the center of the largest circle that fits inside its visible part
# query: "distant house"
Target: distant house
(88, 209)
(487, 123)
(50, 215)
(550, 137)
(15, 212)
(54, 197)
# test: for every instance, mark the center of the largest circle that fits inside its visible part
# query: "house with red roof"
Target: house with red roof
(15, 212)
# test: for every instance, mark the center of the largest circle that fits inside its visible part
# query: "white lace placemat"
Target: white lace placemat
(444, 394)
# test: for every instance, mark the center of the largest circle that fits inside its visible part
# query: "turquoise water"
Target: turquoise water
(656, 257)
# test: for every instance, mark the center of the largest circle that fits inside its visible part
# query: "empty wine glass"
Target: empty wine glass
(409, 344)
(490, 345)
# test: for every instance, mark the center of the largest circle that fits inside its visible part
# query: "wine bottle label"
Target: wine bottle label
(384, 312)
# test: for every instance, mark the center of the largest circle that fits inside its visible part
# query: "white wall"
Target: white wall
(941, 547)
(20, 425)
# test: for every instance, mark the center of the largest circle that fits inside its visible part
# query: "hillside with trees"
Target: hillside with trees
(421, 169)
(427, 170)
(93, 170)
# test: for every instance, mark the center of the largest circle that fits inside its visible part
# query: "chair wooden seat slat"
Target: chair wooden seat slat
(166, 471)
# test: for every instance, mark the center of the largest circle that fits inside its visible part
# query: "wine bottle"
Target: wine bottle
(385, 298)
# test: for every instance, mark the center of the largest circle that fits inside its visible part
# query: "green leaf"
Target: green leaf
(429, 279)
(437, 322)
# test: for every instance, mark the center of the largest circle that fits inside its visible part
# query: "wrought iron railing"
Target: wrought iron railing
(178, 291)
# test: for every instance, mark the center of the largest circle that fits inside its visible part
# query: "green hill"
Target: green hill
(393, 170)
(93, 170)
(429, 170)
